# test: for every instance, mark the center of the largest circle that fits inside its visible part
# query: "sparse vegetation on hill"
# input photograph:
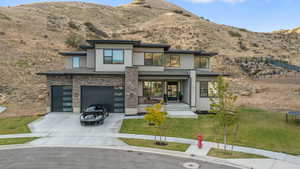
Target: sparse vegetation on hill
(37, 32)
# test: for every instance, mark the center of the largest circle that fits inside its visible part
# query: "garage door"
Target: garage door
(111, 97)
(61, 98)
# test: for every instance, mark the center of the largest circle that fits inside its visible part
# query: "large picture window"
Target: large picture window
(207, 89)
(153, 59)
(172, 61)
(153, 88)
(113, 56)
(201, 62)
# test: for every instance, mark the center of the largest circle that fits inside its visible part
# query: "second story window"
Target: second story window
(201, 62)
(153, 59)
(172, 61)
(75, 61)
(113, 56)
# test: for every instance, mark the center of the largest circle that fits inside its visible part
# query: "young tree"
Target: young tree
(223, 105)
(157, 117)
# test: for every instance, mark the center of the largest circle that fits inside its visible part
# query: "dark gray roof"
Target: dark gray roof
(79, 53)
(208, 73)
(80, 71)
(178, 72)
(153, 45)
(195, 52)
(86, 47)
(91, 71)
(92, 42)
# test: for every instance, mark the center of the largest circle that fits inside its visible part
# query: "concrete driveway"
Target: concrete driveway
(65, 129)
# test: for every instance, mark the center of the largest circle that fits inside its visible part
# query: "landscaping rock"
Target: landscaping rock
(3, 99)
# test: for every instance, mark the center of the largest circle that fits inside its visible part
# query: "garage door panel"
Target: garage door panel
(61, 100)
(97, 95)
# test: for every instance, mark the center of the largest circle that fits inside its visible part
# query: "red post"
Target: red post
(200, 139)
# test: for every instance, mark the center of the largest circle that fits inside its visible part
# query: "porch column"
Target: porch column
(131, 90)
(193, 89)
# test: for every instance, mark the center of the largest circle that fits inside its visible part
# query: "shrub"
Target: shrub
(234, 34)
(2, 33)
(73, 25)
(4, 17)
(138, 1)
(74, 40)
(94, 29)
(23, 64)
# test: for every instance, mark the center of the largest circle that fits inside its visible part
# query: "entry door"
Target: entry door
(61, 98)
(172, 91)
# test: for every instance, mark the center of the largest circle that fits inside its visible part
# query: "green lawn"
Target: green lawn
(150, 143)
(259, 129)
(6, 141)
(15, 125)
(220, 153)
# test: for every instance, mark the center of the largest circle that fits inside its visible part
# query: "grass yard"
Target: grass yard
(259, 129)
(220, 153)
(150, 143)
(15, 125)
(7, 141)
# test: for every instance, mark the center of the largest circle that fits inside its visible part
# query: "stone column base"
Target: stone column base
(76, 109)
(48, 109)
(131, 111)
(194, 109)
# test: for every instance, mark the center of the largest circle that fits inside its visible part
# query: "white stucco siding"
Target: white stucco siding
(138, 58)
(202, 103)
(100, 66)
(69, 62)
(90, 58)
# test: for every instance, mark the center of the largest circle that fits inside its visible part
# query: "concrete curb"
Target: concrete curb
(133, 148)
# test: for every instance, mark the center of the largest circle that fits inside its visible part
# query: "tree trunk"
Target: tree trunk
(235, 135)
(225, 137)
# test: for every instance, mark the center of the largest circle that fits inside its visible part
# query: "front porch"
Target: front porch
(174, 110)
(168, 91)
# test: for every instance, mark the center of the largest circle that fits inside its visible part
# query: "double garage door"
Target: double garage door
(111, 97)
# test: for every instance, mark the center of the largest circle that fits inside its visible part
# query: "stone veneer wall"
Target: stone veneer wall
(93, 80)
(131, 90)
(82, 80)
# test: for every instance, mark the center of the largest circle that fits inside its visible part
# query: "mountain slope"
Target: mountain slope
(289, 31)
(31, 36)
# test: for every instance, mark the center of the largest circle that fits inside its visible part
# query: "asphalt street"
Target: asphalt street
(89, 158)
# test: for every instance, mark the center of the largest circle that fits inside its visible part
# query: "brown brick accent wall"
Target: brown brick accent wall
(93, 80)
(131, 87)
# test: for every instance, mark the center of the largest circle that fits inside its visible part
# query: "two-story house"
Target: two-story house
(127, 75)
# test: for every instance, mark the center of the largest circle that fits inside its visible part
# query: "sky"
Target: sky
(254, 15)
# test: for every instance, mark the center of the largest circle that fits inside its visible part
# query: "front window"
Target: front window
(153, 59)
(153, 88)
(207, 89)
(113, 56)
(76, 61)
(201, 62)
(172, 61)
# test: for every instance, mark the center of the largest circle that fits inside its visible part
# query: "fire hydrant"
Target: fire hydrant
(200, 139)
